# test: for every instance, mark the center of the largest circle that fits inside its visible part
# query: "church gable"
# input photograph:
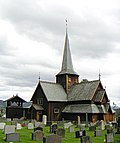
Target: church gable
(100, 95)
(38, 95)
(83, 91)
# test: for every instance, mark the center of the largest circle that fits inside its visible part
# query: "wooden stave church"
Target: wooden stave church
(68, 99)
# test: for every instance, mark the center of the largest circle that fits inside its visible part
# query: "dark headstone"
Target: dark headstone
(86, 139)
(86, 119)
(79, 134)
(52, 138)
(92, 128)
(38, 128)
(37, 135)
(12, 137)
(53, 128)
(60, 132)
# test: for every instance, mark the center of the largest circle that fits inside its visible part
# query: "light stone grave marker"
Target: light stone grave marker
(102, 126)
(71, 129)
(18, 127)
(2, 125)
(30, 126)
(9, 129)
(67, 125)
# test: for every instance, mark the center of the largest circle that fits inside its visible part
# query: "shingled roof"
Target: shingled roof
(53, 91)
(83, 91)
(84, 108)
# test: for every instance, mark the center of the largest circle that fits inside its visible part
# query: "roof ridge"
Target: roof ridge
(50, 82)
(87, 81)
(47, 82)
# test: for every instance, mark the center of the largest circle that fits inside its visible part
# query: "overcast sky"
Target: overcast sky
(32, 36)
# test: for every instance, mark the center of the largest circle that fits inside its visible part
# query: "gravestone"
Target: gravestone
(2, 125)
(110, 130)
(71, 129)
(12, 137)
(18, 127)
(86, 119)
(37, 124)
(30, 126)
(9, 129)
(53, 128)
(92, 128)
(52, 138)
(79, 134)
(37, 135)
(102, 126)
(78, 121)
(44, 119)
(109, 138)
(38, 128)
(67, 125)
(60, 132)
(98, 133)
(86, 139)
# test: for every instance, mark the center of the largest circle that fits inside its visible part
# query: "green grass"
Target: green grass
(26, 136)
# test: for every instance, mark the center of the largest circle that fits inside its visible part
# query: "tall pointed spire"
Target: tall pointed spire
(67, 66)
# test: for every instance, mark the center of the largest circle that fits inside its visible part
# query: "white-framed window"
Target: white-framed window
(56, 110)
(40, 101)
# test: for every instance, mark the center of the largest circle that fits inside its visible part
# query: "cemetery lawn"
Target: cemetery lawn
(26, 136)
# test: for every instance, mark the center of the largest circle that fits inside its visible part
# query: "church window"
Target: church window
(69, 79)
(56, 110)
(40, 101)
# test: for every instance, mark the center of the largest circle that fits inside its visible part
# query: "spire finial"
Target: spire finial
(39, 76)
(99, 75)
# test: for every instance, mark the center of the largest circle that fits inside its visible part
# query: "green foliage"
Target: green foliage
(26, 136)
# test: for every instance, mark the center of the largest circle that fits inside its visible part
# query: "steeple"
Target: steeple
(67, 76)
(67, 66)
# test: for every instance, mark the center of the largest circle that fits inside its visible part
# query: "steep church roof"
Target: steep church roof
(67, 66)
(52, 91)
(83, 91)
